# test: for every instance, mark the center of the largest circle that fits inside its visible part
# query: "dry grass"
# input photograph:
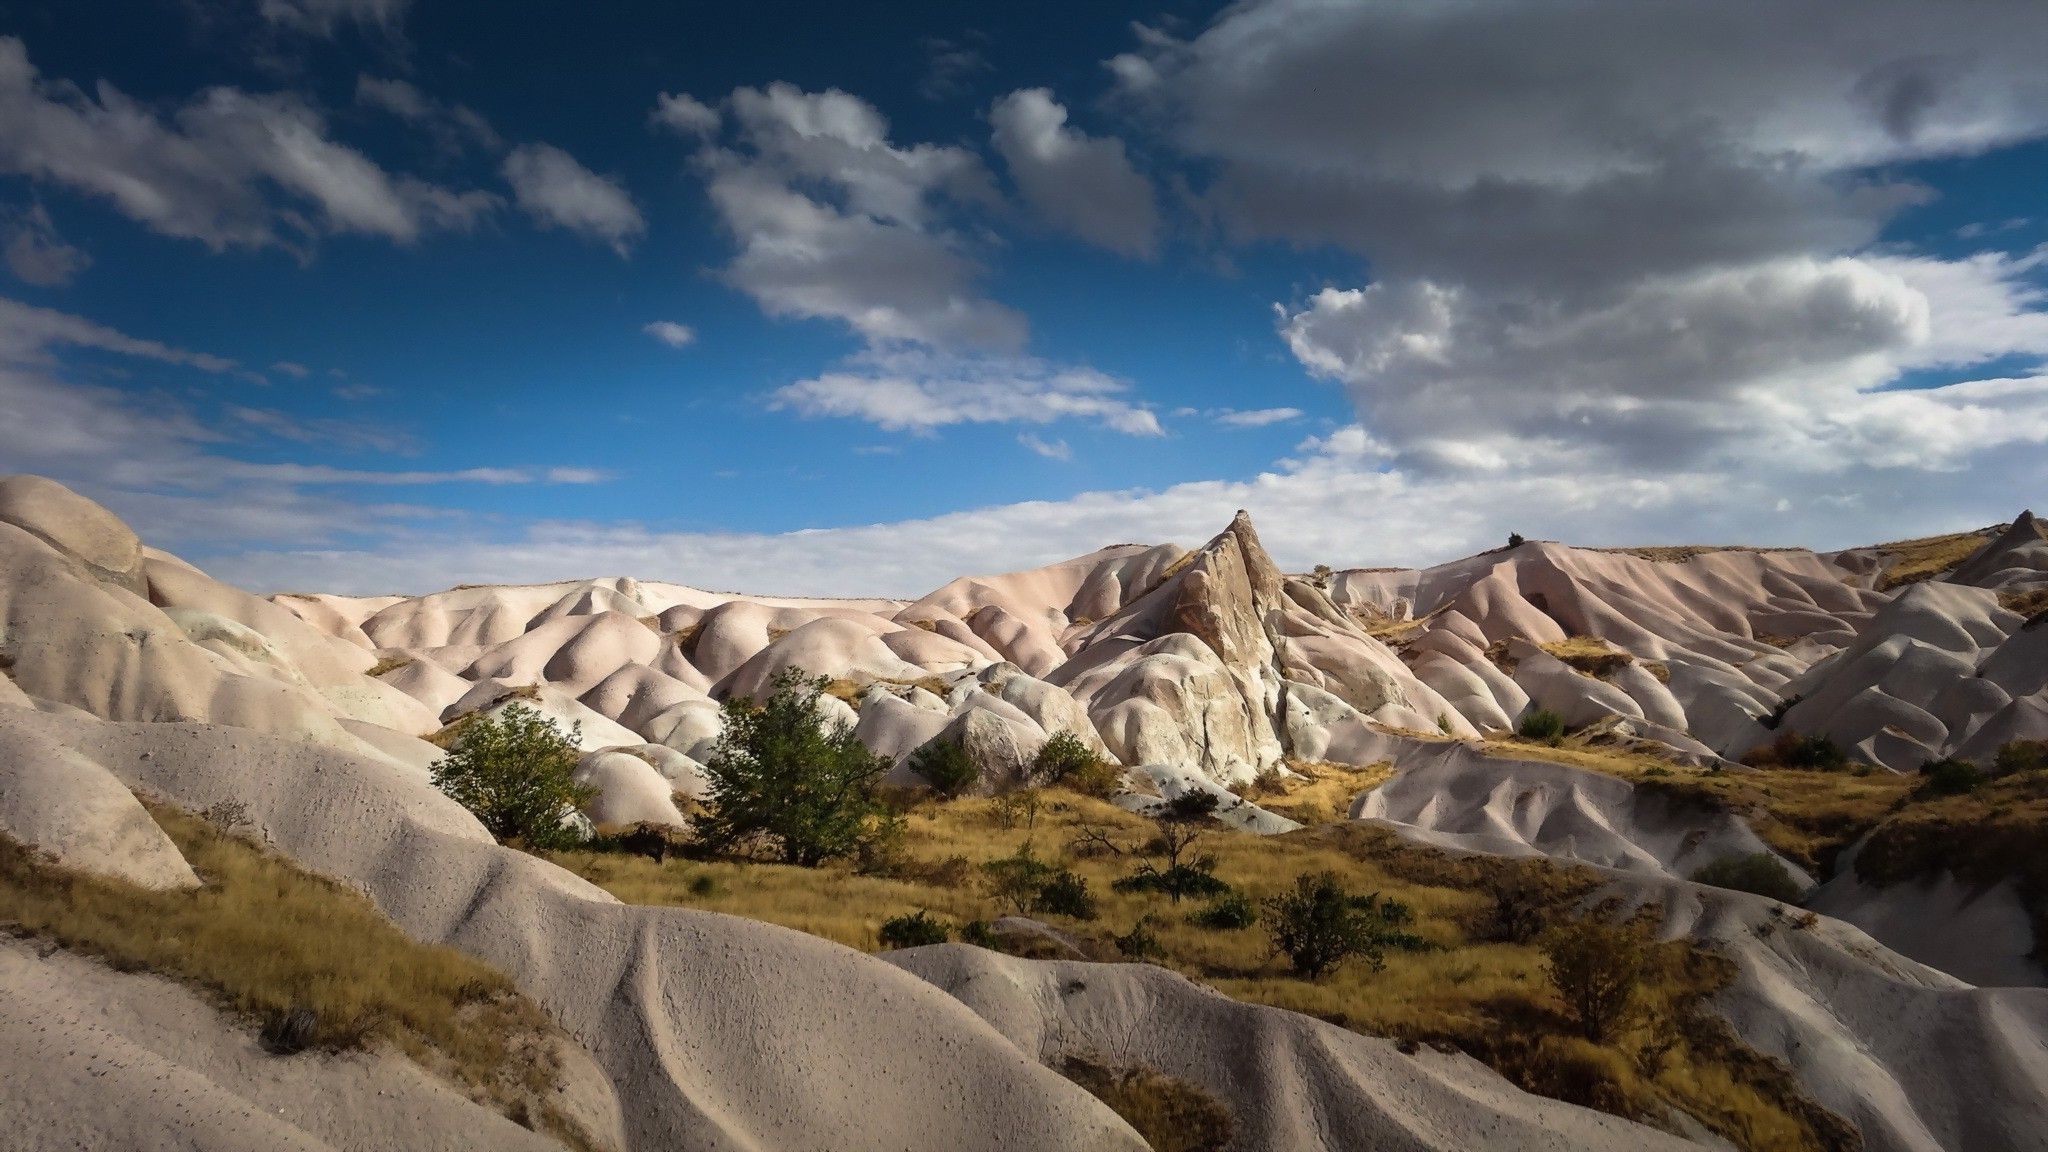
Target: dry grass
(389, 664)
(1172, 1115)
(266, 938)
(1680, 553)
(851, 690)
(1807, 816)
(1591, 655)
(1319, 792)
(2028, 602)
(1911, 561)
(1468, 990)
(1991, 834)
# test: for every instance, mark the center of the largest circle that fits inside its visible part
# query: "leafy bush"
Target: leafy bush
(779, 777)
(2021, 756)
(1172, 1115)
(1319, 926)
(1758, 872)
(979, 934)
(912, 931)
(1776, 716)
(1949, 777)
(1541, 724)
(1068, 761)
(946, 765)
(1140, 943)
(1596, 969)
(1066, 894)
(1229, 912)
(1017, 879)
(1793, 750)
(516, 773)
(1194, 877)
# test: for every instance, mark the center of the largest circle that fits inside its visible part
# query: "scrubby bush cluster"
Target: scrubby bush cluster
(913, 930)
(1068, 761)
(1541, 724)
(2021, 756)
(1758, 872)
(1597, 970)
(1796, 750)
(1319, 925)
(946, 765)
(1949, 777)
(1027, 884)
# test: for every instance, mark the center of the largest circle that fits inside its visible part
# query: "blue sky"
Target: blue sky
(952, 288)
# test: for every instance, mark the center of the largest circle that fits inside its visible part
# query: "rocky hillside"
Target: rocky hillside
(128, 673)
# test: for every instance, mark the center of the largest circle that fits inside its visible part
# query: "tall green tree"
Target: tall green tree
(516, 773)
(781, 779)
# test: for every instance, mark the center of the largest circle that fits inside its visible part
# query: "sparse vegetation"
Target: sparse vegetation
(781, 782)
(389, 664)
(1066, 759)
(2029, 602)
(2021, 756)
(1228, 912)
(1595, 968)
(1985, 836)
(1319, 926)
(1911, 561)
(1798, 750)
(946, 765)
(1758, 872)
(1477, 987)
(1949, 777)
(1172, 1115)
(1540, 724)
(913, 930)
(1590, 655)
(516, 773)
(307, 961)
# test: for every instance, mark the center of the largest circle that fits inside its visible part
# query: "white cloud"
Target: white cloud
(321, 17)
(452, 126)
(921, 392)
(1257, 418)
(1050, 449)
(671, 333)
(37, 255)
(212, 175)
(835, 222)
(295, 371)
(1079, 183)
(554, 189)
(685, 115)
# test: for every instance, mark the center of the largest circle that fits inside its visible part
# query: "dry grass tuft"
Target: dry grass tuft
(1172, 1115)
(268, 940)
(389, 664)
(2028, 602)
(1591, 655)
(1911, 561)
(1469, 988)
(1680, 553)
(1318, 793)
(1988, 835)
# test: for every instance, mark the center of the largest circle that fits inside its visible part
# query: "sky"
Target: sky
(381, 296)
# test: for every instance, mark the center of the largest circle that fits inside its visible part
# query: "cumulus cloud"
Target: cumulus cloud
(835, 222)
(215, 172)
(671, 333)
(453, 127)
(37, 255)
(685, 115)
(553, 188)
(1078, 183)
(907, 391)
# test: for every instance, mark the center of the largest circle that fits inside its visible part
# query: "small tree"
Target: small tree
(1067, 760)
(780, 777)
(1017, 879)
(516, 773)
(946, 765)
(1319, 926)
(1596, 969)
(1182, 820)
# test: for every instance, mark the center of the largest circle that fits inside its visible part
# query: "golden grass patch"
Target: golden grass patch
(1991, 834)
(1591, 655)
(1912, 561)
(2029, 602)
(266, 939)
(389, 664)
(1467, 989)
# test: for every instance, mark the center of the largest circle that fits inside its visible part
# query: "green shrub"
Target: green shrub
(1195, 877)
(1596, 969)
(2021, 756)
(1319, 925)
(1758, 872)
(980, 934)
(780, 778)
(1949, 777)
(1017, 880)
(1066, 894)
(946, 765)
(516, 773)
(1541, 724)
(1793, 750)
(1140, 943)
(913, 930)
(1776, 716)
(1068, 761)
(1229, 912)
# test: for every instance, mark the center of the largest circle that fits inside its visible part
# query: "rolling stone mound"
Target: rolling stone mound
(126, 672)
